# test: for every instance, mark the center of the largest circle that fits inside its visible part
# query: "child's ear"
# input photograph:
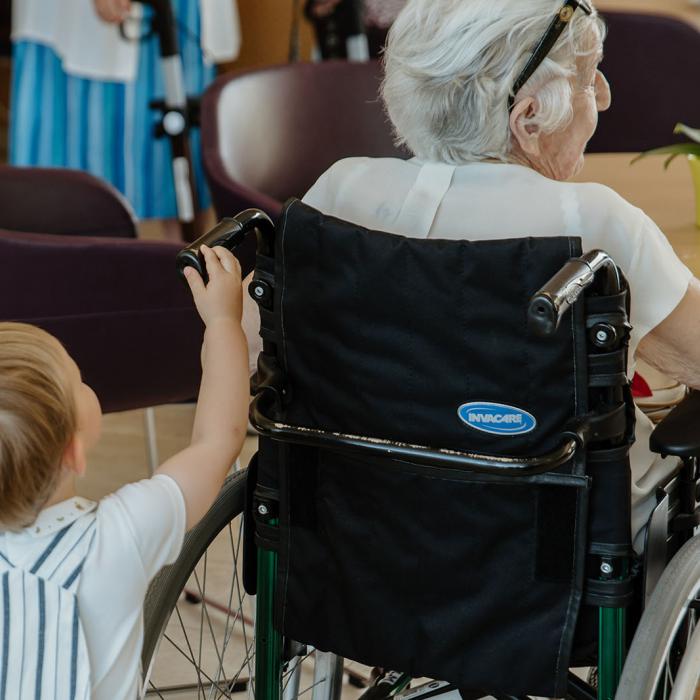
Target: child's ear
(74, 456)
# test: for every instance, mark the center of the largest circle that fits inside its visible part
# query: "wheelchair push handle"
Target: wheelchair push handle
(553, 300)
(229, 233)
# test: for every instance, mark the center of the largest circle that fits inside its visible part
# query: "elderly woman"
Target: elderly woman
(497, 100)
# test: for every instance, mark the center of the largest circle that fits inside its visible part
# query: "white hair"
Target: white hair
(450, 66)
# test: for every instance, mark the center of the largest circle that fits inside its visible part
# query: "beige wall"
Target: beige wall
(266, 26)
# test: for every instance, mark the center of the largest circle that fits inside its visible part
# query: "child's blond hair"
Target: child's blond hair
(38, 418)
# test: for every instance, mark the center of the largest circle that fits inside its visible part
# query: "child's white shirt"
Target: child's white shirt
(139, 529)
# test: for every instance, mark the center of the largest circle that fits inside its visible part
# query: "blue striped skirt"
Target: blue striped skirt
(106, 128)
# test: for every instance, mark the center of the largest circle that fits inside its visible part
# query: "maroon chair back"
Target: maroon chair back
(62, 201)
(652, 66)
(269, 134)
(115, 304)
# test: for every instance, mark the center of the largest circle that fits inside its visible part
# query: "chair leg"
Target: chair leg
(149, 421)
(328, 676)
(290, 689)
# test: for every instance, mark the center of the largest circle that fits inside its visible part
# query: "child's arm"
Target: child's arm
(221, 417)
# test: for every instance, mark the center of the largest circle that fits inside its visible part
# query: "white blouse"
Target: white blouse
(493, 200)
(91, 48)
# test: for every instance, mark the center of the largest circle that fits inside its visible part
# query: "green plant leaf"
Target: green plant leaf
(693, 134)
(674, 150)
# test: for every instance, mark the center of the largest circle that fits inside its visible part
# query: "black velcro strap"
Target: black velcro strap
(603, 380)
(610, 549)
(265, 264)
(268, 376)
(613, 303)
(607, 362)
(612, 455)
(267, 536)
(607, 369)
(606, 426)
(609, 594)
(267, 325)
(265, 493)
(264, 276)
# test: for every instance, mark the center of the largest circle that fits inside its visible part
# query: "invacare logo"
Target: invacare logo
(496, 418)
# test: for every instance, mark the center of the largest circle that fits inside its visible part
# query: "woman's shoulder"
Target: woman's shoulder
(349, 167)
(357, 176)
(594, 197)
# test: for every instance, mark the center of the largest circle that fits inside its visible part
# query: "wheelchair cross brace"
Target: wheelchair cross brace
(419, 454)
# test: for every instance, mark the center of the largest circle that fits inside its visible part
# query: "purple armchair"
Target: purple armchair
(269, 134)
(115, 303)
(650, 62)
(57, 200)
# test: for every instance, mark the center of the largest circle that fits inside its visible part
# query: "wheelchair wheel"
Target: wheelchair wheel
(199, 638)
(196, 608)
(664, 659)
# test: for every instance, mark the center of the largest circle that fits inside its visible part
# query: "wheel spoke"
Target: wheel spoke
(311, 687)
(290, 674)
(241, 596)
(227, 634)
(157, 692)
(199, 670)
(189, 646)
(218, 640)
(201, 617)
(208, 618)
(210, 685)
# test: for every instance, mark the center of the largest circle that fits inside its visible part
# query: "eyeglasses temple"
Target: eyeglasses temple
(554, 31)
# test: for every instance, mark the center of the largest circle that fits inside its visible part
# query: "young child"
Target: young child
(73, 573)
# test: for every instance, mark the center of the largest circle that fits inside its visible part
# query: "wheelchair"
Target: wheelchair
(442, 485)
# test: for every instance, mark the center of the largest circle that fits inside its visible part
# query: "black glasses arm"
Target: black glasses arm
(554, 31)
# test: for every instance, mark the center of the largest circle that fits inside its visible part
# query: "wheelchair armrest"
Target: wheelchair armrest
(678, 434)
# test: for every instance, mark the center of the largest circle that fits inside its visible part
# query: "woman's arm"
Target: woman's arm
(673, 347)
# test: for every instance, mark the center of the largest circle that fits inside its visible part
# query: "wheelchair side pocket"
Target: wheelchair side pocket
(436, 572)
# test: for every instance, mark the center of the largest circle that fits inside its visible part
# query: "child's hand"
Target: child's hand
(113, 10)
(222, 297)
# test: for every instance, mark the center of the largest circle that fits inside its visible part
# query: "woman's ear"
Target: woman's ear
(74, 456)
(525, 133)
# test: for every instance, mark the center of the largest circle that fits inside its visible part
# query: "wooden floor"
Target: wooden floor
(121, 457)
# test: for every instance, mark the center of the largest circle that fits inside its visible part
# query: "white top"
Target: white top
(483, 201)
(139, 529)
(91, 48)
